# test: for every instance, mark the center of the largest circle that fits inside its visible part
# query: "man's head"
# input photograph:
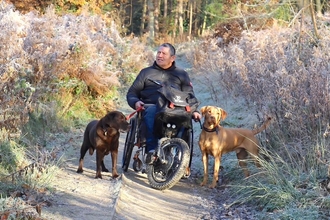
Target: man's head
(165, 55)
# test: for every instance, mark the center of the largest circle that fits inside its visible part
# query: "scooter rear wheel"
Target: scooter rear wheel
(129, 145)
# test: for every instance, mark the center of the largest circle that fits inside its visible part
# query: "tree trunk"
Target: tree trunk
(302, 4)
(196, 19)
(165, 9)
(180, 12)
(151, 22)
(131, 16)
(318, 7)
(202, 23)
(156, 14)
(190, 16)
(176, 18)
(144, 15)
(311, 6)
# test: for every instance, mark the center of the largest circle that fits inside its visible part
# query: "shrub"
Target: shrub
(276, 73)
(283, 73)
(40, 54)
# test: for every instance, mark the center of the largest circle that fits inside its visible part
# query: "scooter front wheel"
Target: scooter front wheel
(169, 168)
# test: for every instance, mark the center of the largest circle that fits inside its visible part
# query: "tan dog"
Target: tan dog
(216, 141)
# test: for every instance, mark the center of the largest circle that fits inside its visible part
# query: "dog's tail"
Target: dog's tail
(262, 127)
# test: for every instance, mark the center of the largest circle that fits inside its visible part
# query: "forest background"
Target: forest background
(65, 62)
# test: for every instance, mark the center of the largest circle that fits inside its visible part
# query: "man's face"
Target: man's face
(164, 58)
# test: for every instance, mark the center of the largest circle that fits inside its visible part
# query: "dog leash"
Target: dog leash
(200, 123)
(133, 113)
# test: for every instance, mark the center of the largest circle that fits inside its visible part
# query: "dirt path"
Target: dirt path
(80, 196)
(138, 201)
(187, 199)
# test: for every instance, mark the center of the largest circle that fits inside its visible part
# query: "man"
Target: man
(144, 89)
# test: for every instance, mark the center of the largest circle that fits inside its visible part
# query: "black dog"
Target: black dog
(103, 135)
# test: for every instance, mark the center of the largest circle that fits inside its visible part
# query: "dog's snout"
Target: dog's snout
(213, 118)
(127, 127)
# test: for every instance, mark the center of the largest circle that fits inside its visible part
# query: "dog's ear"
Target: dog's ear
(203, 109)
(223, 113)
(106, 121)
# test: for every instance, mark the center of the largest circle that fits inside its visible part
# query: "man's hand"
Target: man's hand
(139, 104)
(196, 116)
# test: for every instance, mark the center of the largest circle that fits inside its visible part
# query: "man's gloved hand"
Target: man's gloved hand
(196, 116)
(139, 104)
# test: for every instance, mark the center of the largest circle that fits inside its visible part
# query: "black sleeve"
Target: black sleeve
(188, 87)
(132, 95)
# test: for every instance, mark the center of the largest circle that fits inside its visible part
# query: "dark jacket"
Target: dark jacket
(145, 90)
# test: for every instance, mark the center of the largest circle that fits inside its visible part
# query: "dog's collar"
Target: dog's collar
(216, 129)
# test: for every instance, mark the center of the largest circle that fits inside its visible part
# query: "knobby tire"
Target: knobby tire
(129, 145)
(179, 171)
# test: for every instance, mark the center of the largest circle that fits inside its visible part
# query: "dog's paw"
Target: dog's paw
(114, 176)
(80, 170)
(186, 174)
(98, 176)
(105, 170)
(211, 186)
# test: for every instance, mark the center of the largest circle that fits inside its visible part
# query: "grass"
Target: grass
(12, 157)
(26, 175)
(21, 210)
(284, 188)
(25, 165)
